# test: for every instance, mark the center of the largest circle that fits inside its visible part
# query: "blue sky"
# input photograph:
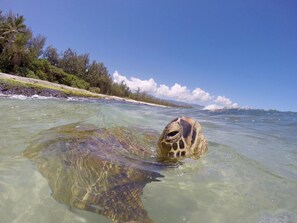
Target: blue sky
(228, 53)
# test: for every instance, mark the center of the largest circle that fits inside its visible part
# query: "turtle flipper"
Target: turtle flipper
(121, 204)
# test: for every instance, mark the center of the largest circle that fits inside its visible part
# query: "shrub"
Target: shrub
(31, 74)
(20, 71)
(41, 75)
(94, 89)
(74, 81)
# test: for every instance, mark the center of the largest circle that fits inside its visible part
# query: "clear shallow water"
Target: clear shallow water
(248, 175)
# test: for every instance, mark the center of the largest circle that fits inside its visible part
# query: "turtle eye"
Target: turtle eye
(173, 133)
(172, 136)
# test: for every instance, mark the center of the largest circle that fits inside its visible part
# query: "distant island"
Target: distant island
(22, 54)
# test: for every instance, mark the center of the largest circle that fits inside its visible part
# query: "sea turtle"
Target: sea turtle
(105, 170)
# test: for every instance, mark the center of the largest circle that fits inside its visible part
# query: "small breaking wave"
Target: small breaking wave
(24, 97)
(213, 107)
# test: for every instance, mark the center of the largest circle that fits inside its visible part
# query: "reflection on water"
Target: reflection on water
(248, 175)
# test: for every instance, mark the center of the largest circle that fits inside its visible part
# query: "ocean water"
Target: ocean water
(249, 173)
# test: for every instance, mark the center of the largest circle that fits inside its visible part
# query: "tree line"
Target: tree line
(24, 54)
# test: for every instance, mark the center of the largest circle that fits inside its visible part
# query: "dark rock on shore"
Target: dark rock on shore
(28, 91)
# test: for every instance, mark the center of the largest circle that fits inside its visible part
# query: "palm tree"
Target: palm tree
(11, 53)
(11, 27)
(2, 18)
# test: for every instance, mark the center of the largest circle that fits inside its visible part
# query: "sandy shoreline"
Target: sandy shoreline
(12, 84)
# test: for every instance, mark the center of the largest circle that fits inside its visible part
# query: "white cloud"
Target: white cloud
(176, 92)
(135, 83)
(226, 102)
(200, 94)
(163, 90)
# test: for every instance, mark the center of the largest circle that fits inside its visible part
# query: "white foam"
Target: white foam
(3, 95)
(24, 97)
(213, 107)
(35, 96)
(21, 97)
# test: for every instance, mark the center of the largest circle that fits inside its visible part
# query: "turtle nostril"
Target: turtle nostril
(173, 133)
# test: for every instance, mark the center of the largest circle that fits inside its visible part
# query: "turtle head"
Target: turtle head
(182, 137)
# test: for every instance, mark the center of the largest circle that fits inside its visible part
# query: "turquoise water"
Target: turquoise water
(248, 175)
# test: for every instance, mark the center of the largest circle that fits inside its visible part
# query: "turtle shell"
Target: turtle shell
(98, 169)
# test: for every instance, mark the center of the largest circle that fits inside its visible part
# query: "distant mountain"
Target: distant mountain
(186, 104)
(179, 103)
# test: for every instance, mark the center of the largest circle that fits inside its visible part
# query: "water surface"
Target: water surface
(248, 175)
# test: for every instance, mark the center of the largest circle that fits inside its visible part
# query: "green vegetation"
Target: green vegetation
(23, 54)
